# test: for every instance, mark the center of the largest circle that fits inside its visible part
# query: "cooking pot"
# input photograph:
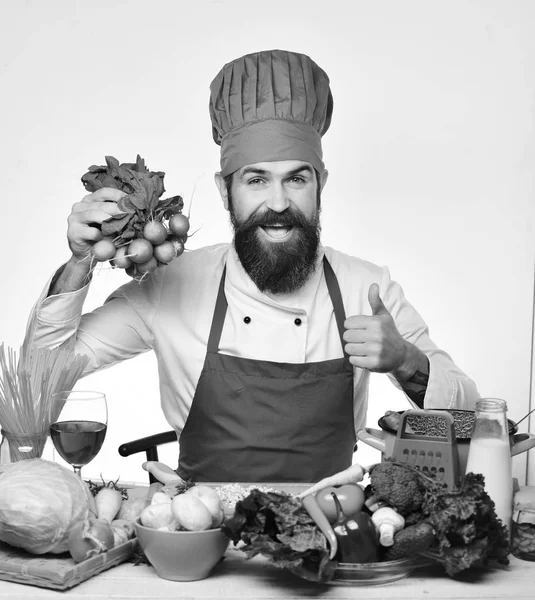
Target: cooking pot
(421, 423)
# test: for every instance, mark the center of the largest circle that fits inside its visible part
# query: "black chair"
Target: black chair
(149, 445)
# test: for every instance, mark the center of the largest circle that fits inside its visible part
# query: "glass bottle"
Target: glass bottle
(523, 523)
(490, 454)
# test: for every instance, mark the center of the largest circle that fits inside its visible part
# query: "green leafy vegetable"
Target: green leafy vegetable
(40, 503)
(144, 189)
(467, 530)
(276, 525)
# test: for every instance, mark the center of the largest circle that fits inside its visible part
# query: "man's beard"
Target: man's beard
(277, 267)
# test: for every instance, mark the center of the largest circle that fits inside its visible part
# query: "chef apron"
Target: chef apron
(263, 421)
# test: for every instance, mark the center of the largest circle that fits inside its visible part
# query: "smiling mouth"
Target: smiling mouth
(277, 232)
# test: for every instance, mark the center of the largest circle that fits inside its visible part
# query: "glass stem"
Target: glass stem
(78, 471)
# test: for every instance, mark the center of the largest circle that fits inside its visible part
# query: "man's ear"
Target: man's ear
(221, 186)
(323, 179)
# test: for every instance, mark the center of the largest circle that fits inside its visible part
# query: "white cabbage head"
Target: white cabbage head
(40, 501)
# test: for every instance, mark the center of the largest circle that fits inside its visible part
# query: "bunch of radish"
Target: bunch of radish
(148, 232)
(160, 243)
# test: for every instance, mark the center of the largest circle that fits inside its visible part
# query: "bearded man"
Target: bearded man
(265, 345)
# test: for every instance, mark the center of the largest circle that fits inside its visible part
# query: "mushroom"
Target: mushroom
(388, 522)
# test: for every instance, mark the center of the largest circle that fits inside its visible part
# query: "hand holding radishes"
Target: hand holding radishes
(124, 221)
(87, 217)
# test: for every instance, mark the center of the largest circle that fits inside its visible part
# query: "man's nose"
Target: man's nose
(278, 200)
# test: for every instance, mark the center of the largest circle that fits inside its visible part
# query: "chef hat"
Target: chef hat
(270, 106)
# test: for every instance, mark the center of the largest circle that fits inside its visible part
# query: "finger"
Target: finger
(369, 363)
(359, 336)
(90, 216)
(105, 194)
(358, 361)
(369, 349)
(377, 306)
(356, 350)
(357, 322)
(87, 233)
(110, 208)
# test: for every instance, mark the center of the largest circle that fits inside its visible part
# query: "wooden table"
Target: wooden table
(256, 579)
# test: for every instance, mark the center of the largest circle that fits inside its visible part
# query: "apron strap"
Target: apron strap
(336, 298)
(221, 304)
(218, 319)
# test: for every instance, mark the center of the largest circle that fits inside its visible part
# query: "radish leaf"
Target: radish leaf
(144, 189)
(116, 224)
(125, 204)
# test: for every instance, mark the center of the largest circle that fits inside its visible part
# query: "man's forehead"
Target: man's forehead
(282, 167)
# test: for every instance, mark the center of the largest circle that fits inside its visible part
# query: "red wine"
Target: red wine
(78, 442)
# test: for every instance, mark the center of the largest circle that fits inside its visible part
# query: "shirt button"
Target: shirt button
(298, 322)
(247, 320)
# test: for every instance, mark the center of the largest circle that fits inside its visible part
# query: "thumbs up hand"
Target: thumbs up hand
(373, 342)
(377, 306)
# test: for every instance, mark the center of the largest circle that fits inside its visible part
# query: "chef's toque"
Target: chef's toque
(270, 106)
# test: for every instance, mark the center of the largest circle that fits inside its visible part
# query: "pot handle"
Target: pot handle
(373, 437)
(522, 442)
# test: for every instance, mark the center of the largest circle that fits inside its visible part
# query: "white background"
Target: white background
(430, 153)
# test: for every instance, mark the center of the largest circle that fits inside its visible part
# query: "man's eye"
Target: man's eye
(297, 179)
(255, 181)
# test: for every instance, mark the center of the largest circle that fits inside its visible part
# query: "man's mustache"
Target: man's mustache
(287, 218)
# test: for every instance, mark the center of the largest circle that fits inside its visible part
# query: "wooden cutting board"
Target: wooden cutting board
(57, 571)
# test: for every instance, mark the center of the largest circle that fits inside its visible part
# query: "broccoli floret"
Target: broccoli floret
(398, 486)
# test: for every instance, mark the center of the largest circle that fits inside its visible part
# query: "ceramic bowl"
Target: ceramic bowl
(182, 555)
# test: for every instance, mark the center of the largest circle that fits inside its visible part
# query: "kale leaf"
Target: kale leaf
(467, 529)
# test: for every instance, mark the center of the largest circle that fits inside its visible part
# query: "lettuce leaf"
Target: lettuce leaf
(277, 526)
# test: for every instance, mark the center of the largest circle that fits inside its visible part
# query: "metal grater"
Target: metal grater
(432, 454)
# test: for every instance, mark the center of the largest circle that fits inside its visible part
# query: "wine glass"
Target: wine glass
(79, 432)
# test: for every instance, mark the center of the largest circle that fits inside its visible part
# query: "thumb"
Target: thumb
(377, 306)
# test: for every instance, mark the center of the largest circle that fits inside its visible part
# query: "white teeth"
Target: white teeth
(276, 231)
